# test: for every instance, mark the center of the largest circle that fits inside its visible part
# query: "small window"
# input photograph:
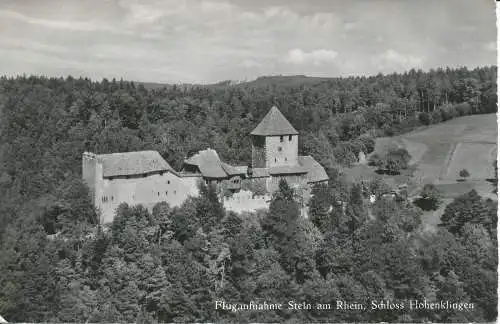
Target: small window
(158, 194)
(280, 149)
(166, 193)
(274, 160)
(112, 198)
(289, 138)
(286, 159)
(175, 192)
(281, 139)
(168, 182)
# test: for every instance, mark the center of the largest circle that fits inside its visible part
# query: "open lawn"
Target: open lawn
(441, 151)
(438, 153)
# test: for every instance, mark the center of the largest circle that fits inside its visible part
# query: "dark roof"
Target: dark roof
(132, 163)
(316, 172)
(211, 166)
(273, 124)
(287, 169)
(260, 173)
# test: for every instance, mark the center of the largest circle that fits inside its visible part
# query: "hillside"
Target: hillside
(442, 150)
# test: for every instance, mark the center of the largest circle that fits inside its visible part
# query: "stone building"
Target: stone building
(206, 166)
(275, 155)
(145, 178)
(142, 177)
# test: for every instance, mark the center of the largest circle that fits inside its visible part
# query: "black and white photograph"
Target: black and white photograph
(248, 161)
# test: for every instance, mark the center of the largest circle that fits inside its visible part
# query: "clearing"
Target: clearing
(438, 153)
(441, 151)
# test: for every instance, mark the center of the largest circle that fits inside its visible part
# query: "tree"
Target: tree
(469, 208)
(396, 160)
(464, 174)
(430, 198)
(376, 160)
(495, 167)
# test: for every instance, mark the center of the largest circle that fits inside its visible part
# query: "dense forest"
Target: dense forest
(172, 264)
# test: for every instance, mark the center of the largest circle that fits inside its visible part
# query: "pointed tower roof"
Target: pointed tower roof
(274, 123)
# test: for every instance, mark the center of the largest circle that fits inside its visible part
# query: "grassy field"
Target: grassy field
(438, 153)
(441, 151)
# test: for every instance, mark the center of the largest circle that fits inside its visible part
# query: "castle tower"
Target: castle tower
(274, 142)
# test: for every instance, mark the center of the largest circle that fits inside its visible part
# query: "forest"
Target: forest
(171, 264)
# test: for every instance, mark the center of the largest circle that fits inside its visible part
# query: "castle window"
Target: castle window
(168, 182)
(280, 149)
(290, 138)
(281, 139)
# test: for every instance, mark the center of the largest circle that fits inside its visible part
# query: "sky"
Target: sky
(206, 41)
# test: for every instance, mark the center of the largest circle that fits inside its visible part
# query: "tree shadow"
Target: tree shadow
(426, 204)
(387, 172)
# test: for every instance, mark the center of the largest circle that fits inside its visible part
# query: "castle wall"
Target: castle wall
(148, 191)
(294, 181)
(280, 153)
(91, 173)
(245, 201)
(192, 183)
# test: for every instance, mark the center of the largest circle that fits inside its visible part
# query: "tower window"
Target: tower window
(168, 182)
(290, 138)
(281, 139)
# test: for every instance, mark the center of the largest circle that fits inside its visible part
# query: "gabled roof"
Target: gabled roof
(133, 163)
(316, 172)
(211, 166)
(273, 124)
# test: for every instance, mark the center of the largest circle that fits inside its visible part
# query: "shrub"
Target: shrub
(376, 160)
(369, 143)
(464, 174)
(430, 198)
(424, 118)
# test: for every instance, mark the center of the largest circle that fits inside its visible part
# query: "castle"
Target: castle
(145, 178)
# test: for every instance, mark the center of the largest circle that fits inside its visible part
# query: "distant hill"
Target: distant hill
(287, 80)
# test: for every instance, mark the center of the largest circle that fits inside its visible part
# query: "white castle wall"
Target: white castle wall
(289, 151)
(244, 201)
(148, 191)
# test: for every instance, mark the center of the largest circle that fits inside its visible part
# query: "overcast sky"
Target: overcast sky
(214, 40)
